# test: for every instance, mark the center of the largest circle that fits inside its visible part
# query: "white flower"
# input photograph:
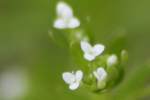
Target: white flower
(73, 79)
(90, 53)
(65, 18)
(100, 74)
(111, 60)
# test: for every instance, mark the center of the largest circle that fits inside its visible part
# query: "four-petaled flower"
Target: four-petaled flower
(100, 74)
(90, 53)
(112, 60)
(65, 18)
(73, 79)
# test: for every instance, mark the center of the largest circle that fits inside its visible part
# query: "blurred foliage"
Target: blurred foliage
(25, 42)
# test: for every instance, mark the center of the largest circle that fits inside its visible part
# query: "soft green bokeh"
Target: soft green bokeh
(119, 24)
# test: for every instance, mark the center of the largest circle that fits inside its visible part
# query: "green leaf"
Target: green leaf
(133, 82)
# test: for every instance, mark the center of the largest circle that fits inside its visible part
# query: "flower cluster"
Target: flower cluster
(103, 69)
(65, 17)
(99, 73)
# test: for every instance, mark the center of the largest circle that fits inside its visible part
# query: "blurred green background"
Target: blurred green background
(32, 62)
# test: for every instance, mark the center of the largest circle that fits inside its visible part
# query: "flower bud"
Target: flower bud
(124, 56)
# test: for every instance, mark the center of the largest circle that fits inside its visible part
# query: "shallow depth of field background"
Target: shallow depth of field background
(31, 64)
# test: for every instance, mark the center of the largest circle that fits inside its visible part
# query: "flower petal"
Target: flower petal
(79, 75)
(64, 10)
(74, 86)
(85, 46)
(98, 49)
(89, 57)
(73, 23)
(60, 24)
(69, 78)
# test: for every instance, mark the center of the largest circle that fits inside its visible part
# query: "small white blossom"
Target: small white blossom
(73, 79)
(100, 74)
(112, 60)
(90, 53)
(65, 18)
